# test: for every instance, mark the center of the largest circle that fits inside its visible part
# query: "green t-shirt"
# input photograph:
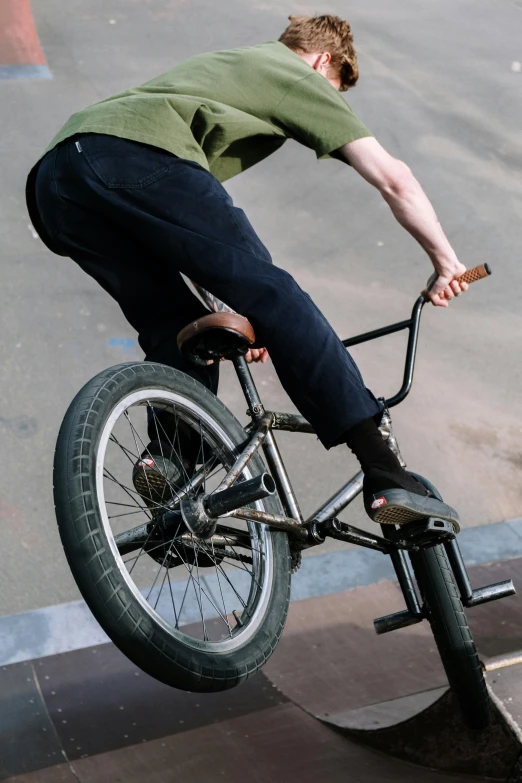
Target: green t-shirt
(227, 110)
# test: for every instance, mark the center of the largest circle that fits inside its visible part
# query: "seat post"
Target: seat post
(270, 447)
(246, 381)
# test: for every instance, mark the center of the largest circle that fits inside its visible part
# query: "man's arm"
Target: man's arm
(412, 209)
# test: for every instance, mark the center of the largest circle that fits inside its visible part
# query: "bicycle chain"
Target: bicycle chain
(226, 553)
(295, 557)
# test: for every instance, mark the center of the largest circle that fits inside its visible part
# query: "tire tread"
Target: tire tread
(110, 600)
(452, 635)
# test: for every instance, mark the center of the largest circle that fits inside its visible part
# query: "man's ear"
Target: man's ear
(322, 60)
(325, 59)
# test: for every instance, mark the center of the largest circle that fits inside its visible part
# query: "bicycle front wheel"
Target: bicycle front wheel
(452, 635)
(197, 614)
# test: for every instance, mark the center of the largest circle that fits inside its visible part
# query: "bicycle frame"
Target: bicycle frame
(313, 530)
(267, 421)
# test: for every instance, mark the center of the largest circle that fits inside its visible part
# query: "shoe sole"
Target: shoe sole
(152, 486)
(398, 507)
(396, 515)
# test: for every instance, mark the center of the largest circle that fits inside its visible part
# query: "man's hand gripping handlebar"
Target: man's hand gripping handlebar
(457, 285)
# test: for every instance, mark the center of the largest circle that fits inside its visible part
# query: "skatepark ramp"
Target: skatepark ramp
(434, 736)
(334, 703)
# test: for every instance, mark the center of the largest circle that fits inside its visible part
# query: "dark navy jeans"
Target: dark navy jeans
(134, 217)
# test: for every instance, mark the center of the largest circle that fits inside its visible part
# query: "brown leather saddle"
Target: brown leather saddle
(216, 336)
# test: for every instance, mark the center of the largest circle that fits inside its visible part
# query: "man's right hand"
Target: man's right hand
(413, 210)
(443, 285)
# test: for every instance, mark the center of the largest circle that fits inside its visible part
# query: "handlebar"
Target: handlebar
(413, 325)
(469, 276)
(477, 273)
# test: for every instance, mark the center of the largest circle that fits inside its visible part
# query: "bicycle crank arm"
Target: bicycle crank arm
(411, 536)
(333, 528)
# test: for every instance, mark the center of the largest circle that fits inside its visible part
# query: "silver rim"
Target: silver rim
(183, 585)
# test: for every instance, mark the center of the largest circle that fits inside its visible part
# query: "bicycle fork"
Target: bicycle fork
(414, 612)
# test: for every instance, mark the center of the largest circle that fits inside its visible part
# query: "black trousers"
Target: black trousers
(133, 217)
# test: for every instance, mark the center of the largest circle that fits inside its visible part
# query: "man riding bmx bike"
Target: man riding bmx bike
(130, 189)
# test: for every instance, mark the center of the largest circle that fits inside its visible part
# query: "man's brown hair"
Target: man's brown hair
(327, 33)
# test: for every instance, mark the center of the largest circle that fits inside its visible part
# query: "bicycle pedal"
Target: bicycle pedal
(427, 532)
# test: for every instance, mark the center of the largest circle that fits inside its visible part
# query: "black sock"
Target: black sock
(370, 448)
(379, 464)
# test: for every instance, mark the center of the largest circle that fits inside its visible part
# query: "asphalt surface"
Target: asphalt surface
(441, 89)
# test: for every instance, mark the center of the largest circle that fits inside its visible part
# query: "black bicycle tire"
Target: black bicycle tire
(452, 635)
(89, 556)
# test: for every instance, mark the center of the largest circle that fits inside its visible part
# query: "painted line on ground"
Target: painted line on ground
(21, 56)
(25, 72)
(71, 626)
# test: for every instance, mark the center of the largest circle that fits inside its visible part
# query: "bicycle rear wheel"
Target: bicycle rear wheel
(201, 615)
(452, 635)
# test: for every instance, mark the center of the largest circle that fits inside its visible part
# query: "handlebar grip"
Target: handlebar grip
(477, 273)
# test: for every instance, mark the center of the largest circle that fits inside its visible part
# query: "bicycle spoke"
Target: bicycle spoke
(155, 418)
(136, 506)
(149, 551)
(219, 566)
(199, 586)
(129, 454)
(186, 580)
(201, 589)
(221, 590)
(156, 578)
(179, 456)
(161, 588)
(143, 549)
(172, 598)
(164, 477)
(198, 598)
(183, 601)
(125, 514)
(133, 431)
(233, 564)
(214, 604)
(241, 562)
(205, 634)
(201, 450)
(108, 475)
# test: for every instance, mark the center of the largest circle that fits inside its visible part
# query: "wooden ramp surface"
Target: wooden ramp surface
(87, 717)
(334, 703)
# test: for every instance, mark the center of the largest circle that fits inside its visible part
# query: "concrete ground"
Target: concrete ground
(440, 88)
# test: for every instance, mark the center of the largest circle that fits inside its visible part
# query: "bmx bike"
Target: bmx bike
(193, 583)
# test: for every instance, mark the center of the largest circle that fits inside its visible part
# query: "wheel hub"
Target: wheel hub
(171, 543)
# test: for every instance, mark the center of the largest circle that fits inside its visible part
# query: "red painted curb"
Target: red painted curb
(19, 44)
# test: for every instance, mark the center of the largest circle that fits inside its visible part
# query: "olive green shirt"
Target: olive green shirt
(227, 110)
